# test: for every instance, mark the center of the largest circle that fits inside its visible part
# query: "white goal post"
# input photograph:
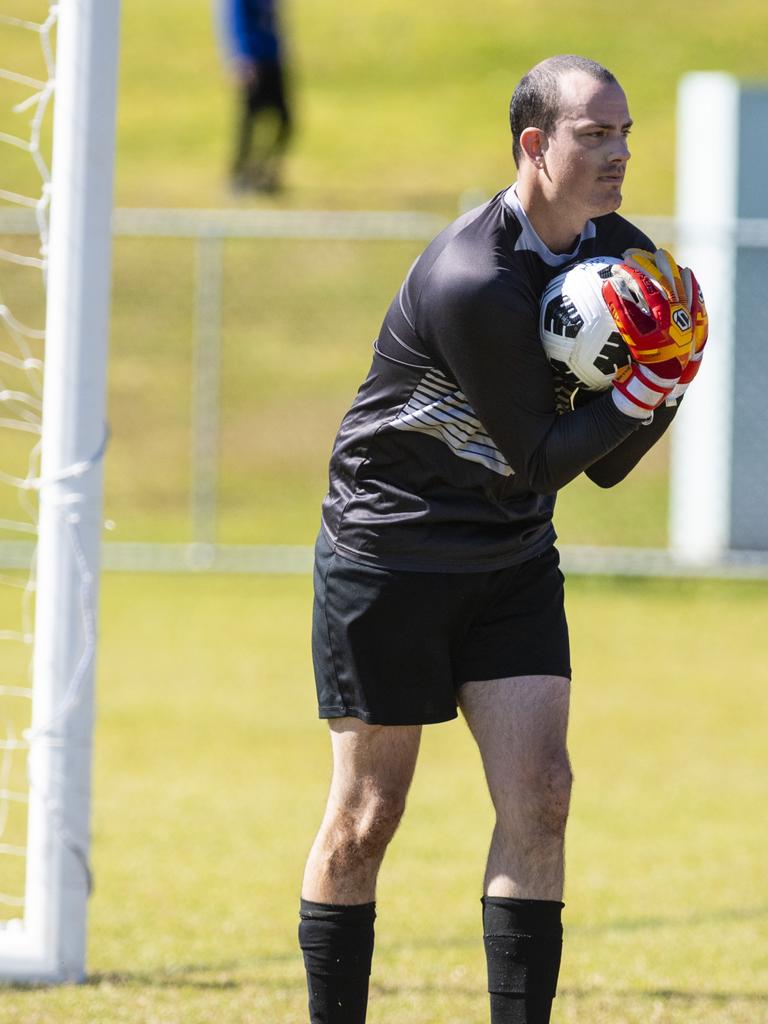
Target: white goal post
(47, 944)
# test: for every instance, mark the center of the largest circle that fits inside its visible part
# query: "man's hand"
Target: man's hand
(661, 267)
(246, 70)
(682, 282)
(658, 328)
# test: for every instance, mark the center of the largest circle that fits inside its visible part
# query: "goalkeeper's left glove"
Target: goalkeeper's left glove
(658, 331)
(680, 283)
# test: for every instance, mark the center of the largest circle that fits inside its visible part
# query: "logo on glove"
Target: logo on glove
(681, 319)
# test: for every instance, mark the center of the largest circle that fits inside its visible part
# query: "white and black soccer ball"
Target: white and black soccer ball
(577, 330)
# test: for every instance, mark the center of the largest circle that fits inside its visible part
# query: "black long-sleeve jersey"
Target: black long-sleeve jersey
(451, 455)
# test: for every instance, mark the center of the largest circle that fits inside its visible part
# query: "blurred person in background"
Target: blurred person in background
(251, 34)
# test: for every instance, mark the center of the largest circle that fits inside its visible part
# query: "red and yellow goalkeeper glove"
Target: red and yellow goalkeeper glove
(682, 283)
(659, 331)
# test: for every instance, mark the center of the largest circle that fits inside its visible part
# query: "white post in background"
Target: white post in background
(707, 177)
(58, 879)
(719, 483)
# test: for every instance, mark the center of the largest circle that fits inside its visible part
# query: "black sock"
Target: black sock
(523, 943)
(337, 943)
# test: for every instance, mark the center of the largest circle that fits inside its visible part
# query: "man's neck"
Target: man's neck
(553, 226)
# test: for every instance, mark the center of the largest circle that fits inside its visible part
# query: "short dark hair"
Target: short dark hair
(535, 102)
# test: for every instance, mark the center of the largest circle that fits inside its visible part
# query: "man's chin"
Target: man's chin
(608, 202)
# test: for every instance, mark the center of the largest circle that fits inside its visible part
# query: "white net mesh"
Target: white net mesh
(26, 91)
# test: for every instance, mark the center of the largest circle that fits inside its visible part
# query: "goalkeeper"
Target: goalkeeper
(437, 584)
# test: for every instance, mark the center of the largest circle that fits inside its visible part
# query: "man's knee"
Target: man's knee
(542, 798)
(560, 783)
(551, 793)
(361, 833)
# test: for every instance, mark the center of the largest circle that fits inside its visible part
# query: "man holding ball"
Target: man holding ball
(437, 584)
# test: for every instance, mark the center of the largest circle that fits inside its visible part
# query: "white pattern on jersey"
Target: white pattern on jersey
(437, 407)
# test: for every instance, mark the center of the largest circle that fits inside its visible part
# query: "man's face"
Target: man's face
(586, 155)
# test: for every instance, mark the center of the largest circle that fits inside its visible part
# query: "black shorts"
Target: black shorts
(393, 647)
(267, 90)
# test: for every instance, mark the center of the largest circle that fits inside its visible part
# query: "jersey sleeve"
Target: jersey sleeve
(485, 334)
(612, 468)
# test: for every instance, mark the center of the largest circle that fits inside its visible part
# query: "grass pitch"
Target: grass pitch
(402, 104)
(211, 772)
(399, 105)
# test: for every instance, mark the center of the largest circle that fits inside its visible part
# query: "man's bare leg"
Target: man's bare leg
(372, 771)
(520, 727)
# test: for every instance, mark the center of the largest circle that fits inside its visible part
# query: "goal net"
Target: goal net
(54, 260)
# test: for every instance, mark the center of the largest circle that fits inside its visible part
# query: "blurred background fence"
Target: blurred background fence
(238, 339)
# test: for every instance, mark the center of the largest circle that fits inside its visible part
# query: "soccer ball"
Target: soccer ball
(577, 331)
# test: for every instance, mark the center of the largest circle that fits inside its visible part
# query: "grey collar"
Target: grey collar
(531, 242)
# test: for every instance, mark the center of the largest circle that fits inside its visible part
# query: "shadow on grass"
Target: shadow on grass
(729, 915)
(202, 977)
(186, 976)
(668, 995)
(213, 976)
(691, 999)
(189, 976)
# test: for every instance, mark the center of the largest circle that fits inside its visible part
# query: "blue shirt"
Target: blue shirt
(251, 29)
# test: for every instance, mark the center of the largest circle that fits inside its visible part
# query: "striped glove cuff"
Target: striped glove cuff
(638, 392)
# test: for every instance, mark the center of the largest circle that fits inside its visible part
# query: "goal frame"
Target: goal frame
(49, 944)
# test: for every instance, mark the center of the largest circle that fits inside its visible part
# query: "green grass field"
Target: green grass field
(210, 766)
(403, 104)
(210, 775)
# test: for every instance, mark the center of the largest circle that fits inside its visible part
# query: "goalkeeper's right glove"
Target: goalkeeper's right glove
(659, 332)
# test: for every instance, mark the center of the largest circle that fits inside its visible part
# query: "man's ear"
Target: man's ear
(533, 143)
